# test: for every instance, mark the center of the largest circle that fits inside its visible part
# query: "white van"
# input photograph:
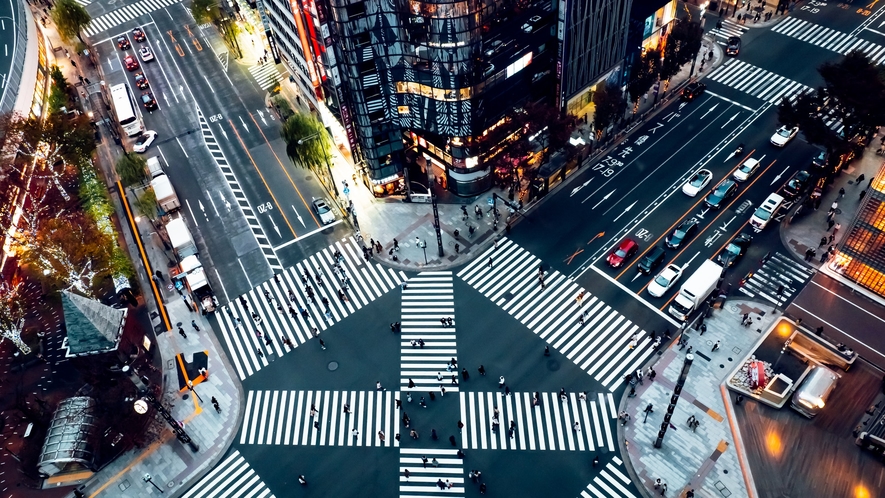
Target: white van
(766, 212)
(154, 167)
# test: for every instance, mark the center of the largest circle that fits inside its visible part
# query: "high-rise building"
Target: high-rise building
(861, 255)
(421, 82)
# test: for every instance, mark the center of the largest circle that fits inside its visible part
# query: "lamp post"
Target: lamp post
(673, 399)
(190, 387)
(141, 406)
(302, 141)
(150, 479)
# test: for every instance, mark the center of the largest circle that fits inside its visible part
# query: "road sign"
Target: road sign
(346, 190)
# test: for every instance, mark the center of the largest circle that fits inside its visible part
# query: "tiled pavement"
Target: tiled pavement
(704, 460)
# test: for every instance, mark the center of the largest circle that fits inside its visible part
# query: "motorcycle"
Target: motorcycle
(737, 152)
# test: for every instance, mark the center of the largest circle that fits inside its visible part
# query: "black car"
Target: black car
(651, 260)
(147, 98)
(734, 250)
(683, 232)
(733, 46)
(796, 186)
(693, 91)
(123, 43)
(141, 81)
(720, 194)
(138, 34)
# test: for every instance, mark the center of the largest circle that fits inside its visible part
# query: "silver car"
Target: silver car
(322, 209)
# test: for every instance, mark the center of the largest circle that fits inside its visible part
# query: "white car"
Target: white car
(783, 135)
(146, 54)
(697, 182)
(322, 209)
(664, 281)
(746, 170)
(144, 141)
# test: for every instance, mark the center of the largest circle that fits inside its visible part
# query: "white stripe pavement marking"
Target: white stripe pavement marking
(232, 474)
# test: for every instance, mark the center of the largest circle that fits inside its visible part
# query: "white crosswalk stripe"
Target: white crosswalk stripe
(253, 343)
(549, 424)
(780, 269)
(125, 14)
(284, 418)
(427, 299)
(729, 28)
(84, 3)
(828, 38)
(599, 346)
(424, 479)
(610, 482)
(233, 475)
(267, 75)
(756, 81)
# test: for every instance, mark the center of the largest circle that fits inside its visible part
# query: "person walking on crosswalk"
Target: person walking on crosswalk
(501, 382)
(576, 428)
(381, 436)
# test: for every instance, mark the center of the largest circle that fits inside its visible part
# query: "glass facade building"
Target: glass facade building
(862, 253)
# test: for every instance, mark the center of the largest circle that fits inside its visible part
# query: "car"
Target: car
(535, 19)
(797, 185)
(494, 47)
(651, 260)
(724, 191)
(735, 250)
(625, 251)
(733, 45)
(322, 209)
(682, 233)
(141, 81)
(697, 182)
(147, 98)
(527, 28)
(130, 63)
(783, 135)
(664, 281)
(488, 69)
(138, 35)
(146, 54)
(746, 170)
(693, 91)
(820, 159)
(144, 141)
(123, 43)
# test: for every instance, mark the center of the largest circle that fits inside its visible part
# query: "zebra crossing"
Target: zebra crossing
(729, 28)
(550, 424)
(830, 39)
(590, 333)
(267, 75)
(611, 480)
(286, 418)
(124, 14)
(84, 3)
(235, 476)
(253, 342)
(780, 269)
(416, 477)
(426, 299)
(758, 82)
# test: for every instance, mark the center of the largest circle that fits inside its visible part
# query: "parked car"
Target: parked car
(625, 251)
(697, 182)
(144, 141)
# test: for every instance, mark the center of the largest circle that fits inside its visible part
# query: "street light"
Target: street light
(190, 387)
(150, 479)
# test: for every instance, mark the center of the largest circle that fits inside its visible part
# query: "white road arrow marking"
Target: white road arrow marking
(604, 199)
(710, 110)
(625, 211)
(725, 225)
(299, 216)
(690, 260)
(261, 115)
(638, 274)
(274, 223)
(730, 120)
(223, 132)
(244, 124)
(181, 89)
(579, 187)
(209, 196)
(703, 212)
(225, 201)
(779, 175)
(203, 209)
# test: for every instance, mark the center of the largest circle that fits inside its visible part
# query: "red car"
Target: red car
(624, 252)
(130, 63)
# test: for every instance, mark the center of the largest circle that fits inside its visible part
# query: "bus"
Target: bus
(125, 108)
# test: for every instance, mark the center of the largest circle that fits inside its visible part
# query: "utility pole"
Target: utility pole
(436, 224)
(680, 383)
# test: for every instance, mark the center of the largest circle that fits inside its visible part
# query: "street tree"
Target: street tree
(70, 18)
(132, 169)
(643, 74)
(12, 313)
(308, 144)
(853, 96)
(205, 11)
(70, 252)
(146, 204)
(682, 46)
(608, 105)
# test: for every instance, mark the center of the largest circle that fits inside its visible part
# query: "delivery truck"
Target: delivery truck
(166, 198)
(695, 290)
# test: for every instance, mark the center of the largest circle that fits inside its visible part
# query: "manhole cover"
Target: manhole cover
(333, 365)
(185, 396)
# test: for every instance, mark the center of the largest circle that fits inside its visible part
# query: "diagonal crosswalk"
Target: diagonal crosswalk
(611, 481)
(829, 39)
(416, 478)
(286, 418)
(235, 476)
(300, 303)
(125, 14)
(598, 344)
(426, 300)
(495, 421)
(780, 269)
(729, 28)
(758, 82)
(267, 75)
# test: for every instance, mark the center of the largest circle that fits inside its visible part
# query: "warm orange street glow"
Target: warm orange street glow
(861, 491)
(784, 329)
(774, 445)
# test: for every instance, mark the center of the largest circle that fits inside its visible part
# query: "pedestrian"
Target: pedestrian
(596, 460)
(861, 177)
(432, 396)
(464, 374)
(452, 440)
(740, 397)
(181, 332)
(842, 192)
(546, 350)
(576, 428)
(716, 346)
(830, 224)
(500, 382)
(663, 488)
(302, 480)
(381, 436)
(424, 461)
(744, 318)
(423, 403)
(834, 206)
(378, 386)
(489, 265)
(460, 425)
(482, 370)
(689, 493)
(322, 344)
(454, 379)
(442, 390)
(406, 473)
(316, 425)
(639, 375)
(411, 384)
(651, 376)
(836, 228)
(862, 194)
(413, 433)
(433, 434)
(260, 354)
(823, 242)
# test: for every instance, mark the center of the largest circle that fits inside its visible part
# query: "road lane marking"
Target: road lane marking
(732, 102)
(837, 328)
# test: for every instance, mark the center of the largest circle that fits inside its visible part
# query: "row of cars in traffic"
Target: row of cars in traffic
(130, 62)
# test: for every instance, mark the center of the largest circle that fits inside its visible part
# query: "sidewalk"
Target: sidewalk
(708, 458)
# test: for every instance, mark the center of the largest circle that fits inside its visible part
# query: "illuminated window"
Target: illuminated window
(519, 65)
(403, 109)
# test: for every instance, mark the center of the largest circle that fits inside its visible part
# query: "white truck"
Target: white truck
(180, 237)
(191, 273)
(166, 197)
(695, 290)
